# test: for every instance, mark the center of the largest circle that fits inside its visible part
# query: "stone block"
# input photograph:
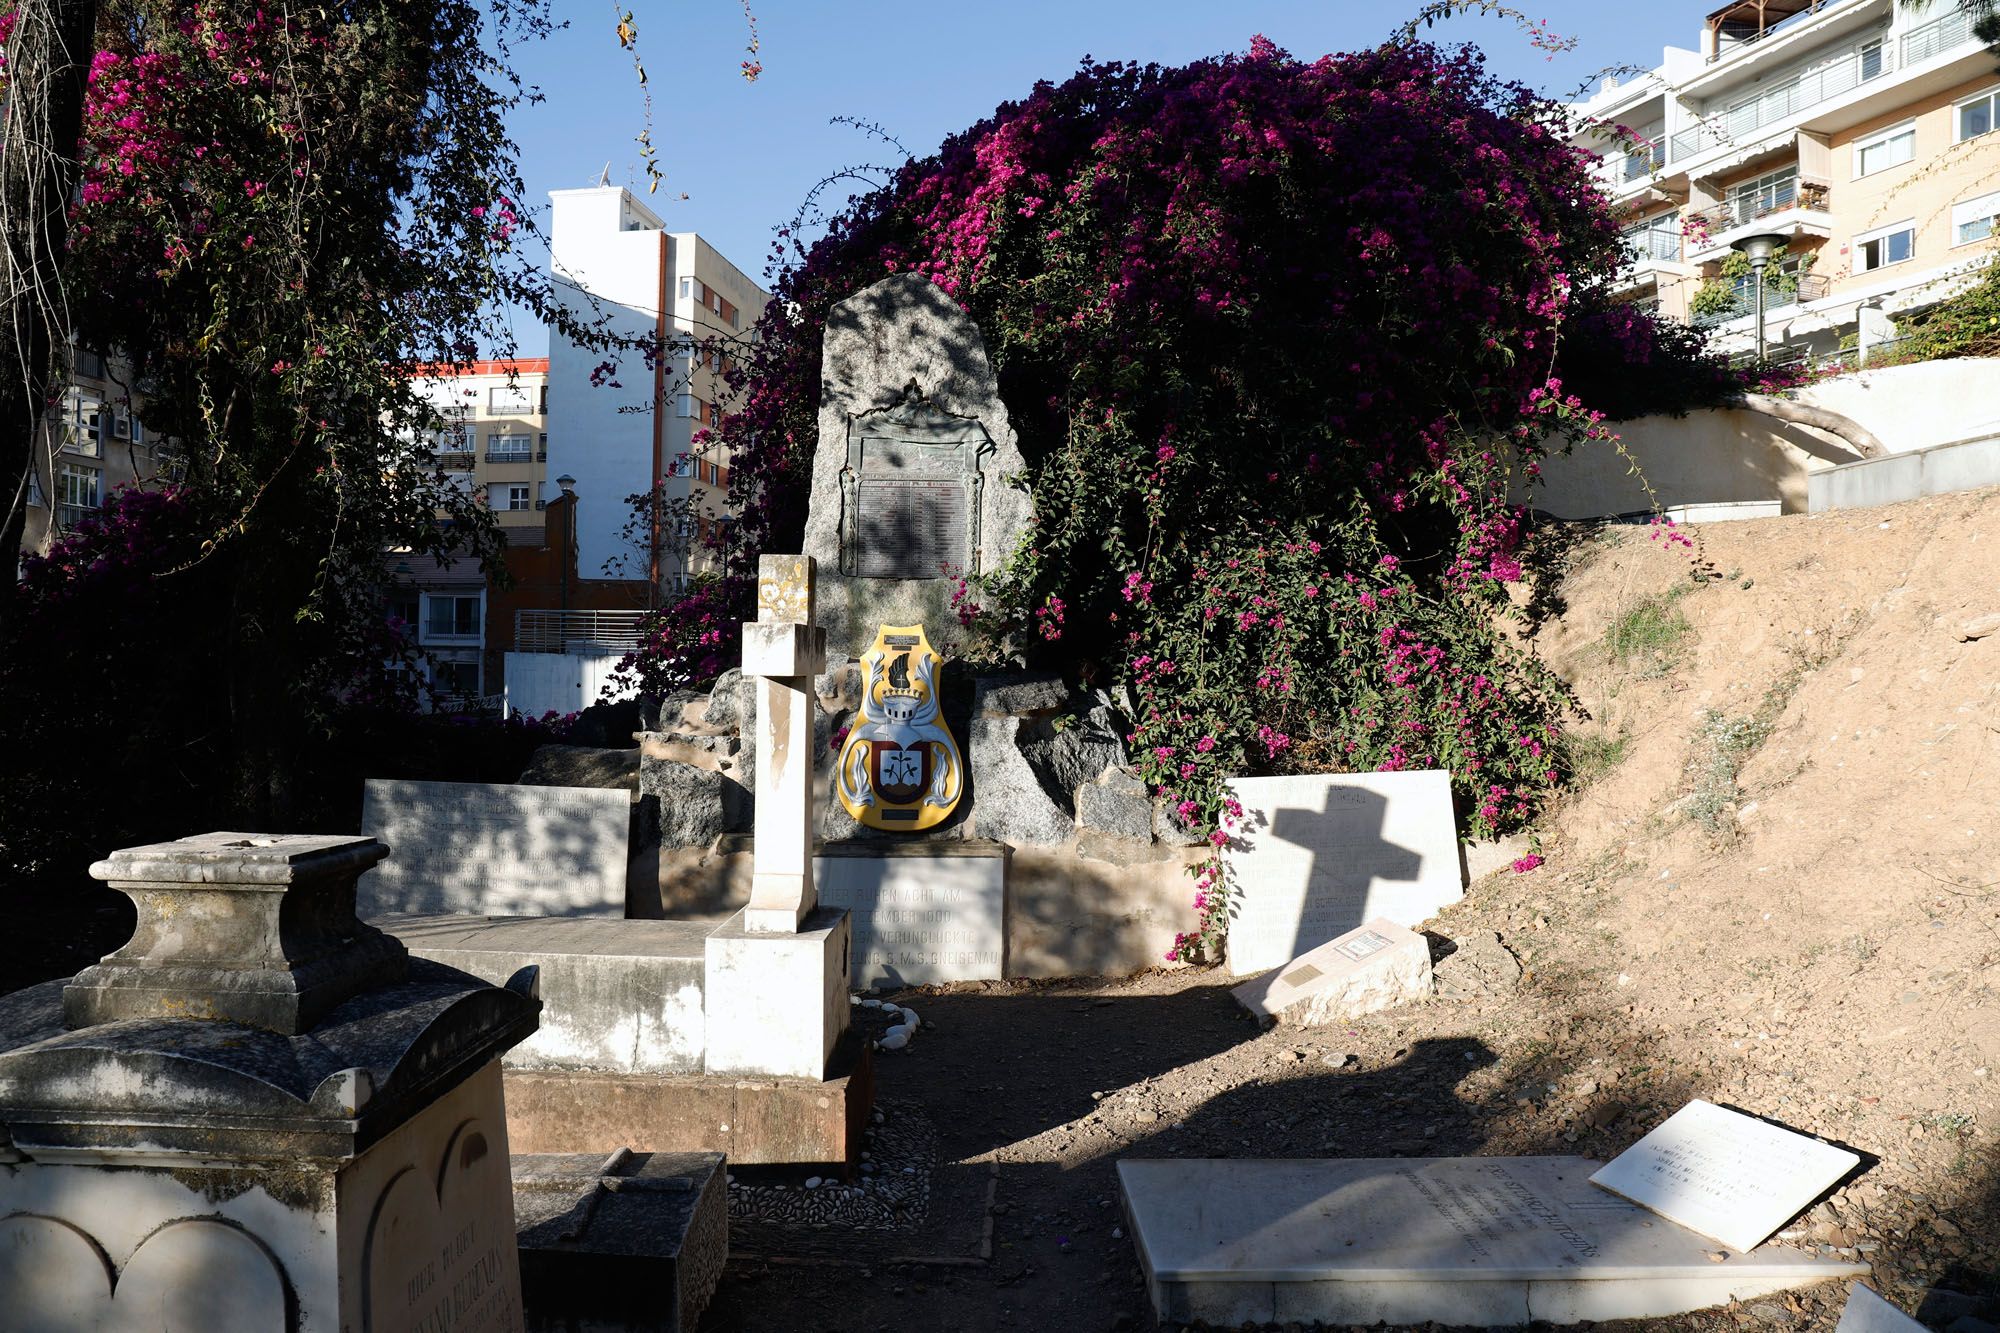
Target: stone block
(756, 1121)
(1485, 1242)
(582, 766)
(695, 749)
(776, 1003)
(1377, 966)
(923, 913)
(1009, 803)
(1315, 856)
(1025, 695)
(1085, 747)
(617, 996)
(693, 801)
(731, 702)
(1107, 808)
(630, 1243)
(783, 649)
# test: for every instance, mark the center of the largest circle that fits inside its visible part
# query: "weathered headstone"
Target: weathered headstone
(783, 650)
(1492, 1242)
(1316, 856)
(923, 913)
(488, 850)
(1868, 1313)
(259, 1114)
(912, 471)
(1724, 1174)
(1370, 968)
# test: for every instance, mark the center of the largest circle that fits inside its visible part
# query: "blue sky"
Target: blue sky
(746, 154)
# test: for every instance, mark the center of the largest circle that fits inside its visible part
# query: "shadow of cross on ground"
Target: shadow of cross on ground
(1306, 875)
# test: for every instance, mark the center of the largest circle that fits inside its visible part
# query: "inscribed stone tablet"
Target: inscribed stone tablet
(1317, 856)
(480, 850)
(1461, 1240)
(1725, 1174)
(1868, 1313)
(1369, 968)
(440, 1251)
(920, 917)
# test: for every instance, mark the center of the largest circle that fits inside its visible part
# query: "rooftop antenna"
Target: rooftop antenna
(604, 176)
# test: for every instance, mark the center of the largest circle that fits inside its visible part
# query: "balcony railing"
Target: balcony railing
(577, 631)
(1749, 207)
(1783, 291)
(508, 456)
(1846, 72)
(1654, 245)
(71, 515)
(1939, 35)
(1637, 162)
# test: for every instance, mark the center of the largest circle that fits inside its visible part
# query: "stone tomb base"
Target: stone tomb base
(922, 912)
(1487, 1242)
(620, 1244)
(756, 1121)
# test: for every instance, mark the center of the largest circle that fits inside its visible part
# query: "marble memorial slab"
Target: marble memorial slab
(1868, 1313)
(1493, 1242)
(923, 913)
(1370, 968)
(1724, 1174)
(1318, 855)
(477, 849)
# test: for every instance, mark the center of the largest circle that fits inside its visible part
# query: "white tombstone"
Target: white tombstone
(483, 849)
(1491, 1242)
(1370, 968)
(1725, 1174)
(1315, 856)
(923, 913)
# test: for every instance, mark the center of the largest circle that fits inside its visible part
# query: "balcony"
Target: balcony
(1863, 63)
(1787, 289)
(1638, 162)
(1793, 210)
(1941, 34)
(592, 632)
(508, 456)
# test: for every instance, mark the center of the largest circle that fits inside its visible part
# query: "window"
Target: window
(1871, 60)
(456, 676)
(462, 482)
(687, 405)
(1765, 195)
(507, 449)
(400, 609)
(1975, 117)
(1973, 220)
(36, 500)
(518, 498)
(1886, 148)
(451, 617)
(78, 493)
(138, 432)
(510, 400)
(681, 465)
(542, 446)
(90, 364)
(1889, 245)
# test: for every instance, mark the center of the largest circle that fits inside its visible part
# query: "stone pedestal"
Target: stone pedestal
(222, 1158)
(776, 1004)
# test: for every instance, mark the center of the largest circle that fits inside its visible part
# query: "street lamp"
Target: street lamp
(1758, 250)
(568, 485)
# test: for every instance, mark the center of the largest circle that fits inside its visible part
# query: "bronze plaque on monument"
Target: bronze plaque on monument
(909, 495)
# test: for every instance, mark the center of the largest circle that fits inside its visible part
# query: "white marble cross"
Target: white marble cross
(784, 650)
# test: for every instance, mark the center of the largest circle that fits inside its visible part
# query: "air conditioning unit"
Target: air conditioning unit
(121, 427)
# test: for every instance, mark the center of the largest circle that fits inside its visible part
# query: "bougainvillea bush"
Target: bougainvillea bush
(1283, 341)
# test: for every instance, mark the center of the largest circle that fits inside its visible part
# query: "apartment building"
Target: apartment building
(621, 421)
(495, 443)
(91, 442)
(1860, 133)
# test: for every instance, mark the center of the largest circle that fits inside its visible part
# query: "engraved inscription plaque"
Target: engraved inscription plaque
(909, 495)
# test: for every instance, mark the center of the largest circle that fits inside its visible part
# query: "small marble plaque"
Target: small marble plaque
(1724, 1174)
(1369, 968)
(475, 849)
(923, 915)
(1316, 856)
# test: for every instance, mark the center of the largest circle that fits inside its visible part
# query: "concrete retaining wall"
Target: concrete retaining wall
(1962, 465)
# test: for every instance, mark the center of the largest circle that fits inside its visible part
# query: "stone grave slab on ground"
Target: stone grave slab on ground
(481, 849)
(1370, 968)
(1318, 855)
(1868, 1313)
(632, 1241)
(1729, 1176)
(922, 912)
(1492, 1242)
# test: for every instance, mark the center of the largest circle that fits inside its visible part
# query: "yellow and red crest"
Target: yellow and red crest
(900, 769)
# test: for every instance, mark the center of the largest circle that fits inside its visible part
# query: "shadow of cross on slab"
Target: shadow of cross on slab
(1316, 856)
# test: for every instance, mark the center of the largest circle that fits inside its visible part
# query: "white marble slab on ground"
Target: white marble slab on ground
(1318, 855)
(1492, 1242)
(1724, 1174)
(1370, 968)
(1868, 1313)
(480, 849)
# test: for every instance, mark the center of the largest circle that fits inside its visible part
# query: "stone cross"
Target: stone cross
(784, 650)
